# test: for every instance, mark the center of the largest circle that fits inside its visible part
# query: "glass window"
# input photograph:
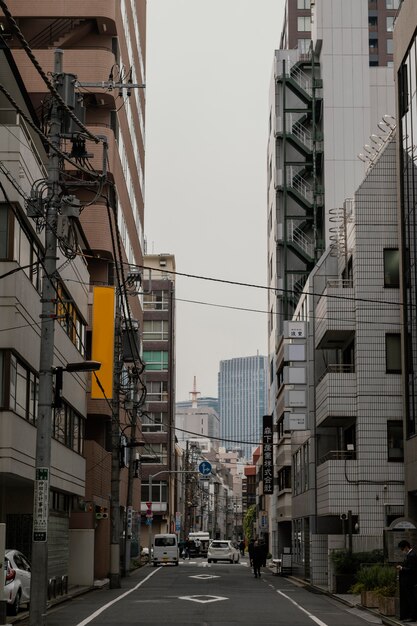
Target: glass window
(155, 330)
(155, 360)
(155, 454)
(159, 491)
(391, 268)
(390, 23)
(154, 422)
(390, 46)
(395, 441)
(4, 231)
(393, 353)
(392, 4)
(155, 301)
(373, 44)
(304, 24)
(303, 4)
(157, 391)
(304, 45)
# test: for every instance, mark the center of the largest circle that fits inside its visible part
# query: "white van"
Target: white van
(165, 549)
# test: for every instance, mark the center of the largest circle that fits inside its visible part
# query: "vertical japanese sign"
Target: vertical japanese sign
(268, 455)
(41, 505)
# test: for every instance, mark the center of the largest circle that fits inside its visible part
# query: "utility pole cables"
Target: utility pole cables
(39, 577)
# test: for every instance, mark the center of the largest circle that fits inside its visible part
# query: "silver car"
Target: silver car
(222, 550)
(17, 581)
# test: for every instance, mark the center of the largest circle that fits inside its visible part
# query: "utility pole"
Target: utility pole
(39, 576)
(114, 576)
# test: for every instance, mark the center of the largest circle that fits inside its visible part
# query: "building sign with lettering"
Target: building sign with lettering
(268, 455)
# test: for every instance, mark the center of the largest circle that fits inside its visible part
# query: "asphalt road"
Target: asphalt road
(199, 594)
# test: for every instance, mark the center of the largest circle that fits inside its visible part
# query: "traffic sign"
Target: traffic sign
(204, 468)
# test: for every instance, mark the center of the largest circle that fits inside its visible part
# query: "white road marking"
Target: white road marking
(202, 599)
(90, 618)
(310, 615)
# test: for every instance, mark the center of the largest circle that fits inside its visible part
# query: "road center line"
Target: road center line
(310, 615)
(88, 619)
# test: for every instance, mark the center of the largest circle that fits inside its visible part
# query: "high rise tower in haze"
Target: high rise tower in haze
(242, 401)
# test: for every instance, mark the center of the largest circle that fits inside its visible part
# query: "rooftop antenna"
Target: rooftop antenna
(194, 394)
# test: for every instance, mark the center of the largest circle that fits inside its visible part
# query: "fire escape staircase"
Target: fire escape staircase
(57, 32)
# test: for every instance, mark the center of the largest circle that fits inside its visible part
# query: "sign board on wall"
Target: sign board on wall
(267, 455)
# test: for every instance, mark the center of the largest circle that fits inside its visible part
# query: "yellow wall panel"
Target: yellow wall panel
(103, 340)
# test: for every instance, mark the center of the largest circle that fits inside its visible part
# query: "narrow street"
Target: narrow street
(200, 594)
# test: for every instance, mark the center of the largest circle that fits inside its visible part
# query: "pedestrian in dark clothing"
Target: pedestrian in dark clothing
(264, 550)
(250, 551)
(408, 582)
(242, 547)
(257, 559)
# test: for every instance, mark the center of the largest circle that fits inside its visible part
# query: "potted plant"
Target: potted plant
(386, 591)
(367, 582)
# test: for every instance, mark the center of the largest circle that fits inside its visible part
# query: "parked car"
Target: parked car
(17, 580)
(222, 550)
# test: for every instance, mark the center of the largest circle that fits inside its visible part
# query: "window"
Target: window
(70, 319)
(392, 4)
(68, 428)
(391, 268)
(284, 478)
(155, 454)
(23, 393)
(155, 330)
(154, 422)
(303, 45)
(393, 353)
(155, 301)
(373, 22)
(373, 45)
(159, 492)
(395, 441)
(390, 24)
(304, 24)
(390, 46)
(303, 4)
(155, 360)
(157, 391)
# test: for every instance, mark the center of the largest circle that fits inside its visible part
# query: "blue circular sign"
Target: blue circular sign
(204, 468)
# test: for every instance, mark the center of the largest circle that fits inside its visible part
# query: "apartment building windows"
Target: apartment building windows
(303, 23)
(68, 428)
(395, 441)
(159, 491)
(157, 391)
(155, 330)
(303, 4)
(155, 360)
(156, 301)
(154, 422)
(303, 45)
(393, 353)
(392, 4)
(23, 388)
(70, 319)
(391, 267)
(284, 478)
(390, 46)
(156, 454)
(390, 23)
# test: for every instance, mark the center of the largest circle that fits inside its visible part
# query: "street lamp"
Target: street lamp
(39, 577)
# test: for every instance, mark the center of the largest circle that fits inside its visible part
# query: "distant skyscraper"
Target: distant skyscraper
(242, 401)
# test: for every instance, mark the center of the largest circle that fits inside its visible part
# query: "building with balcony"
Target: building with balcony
(103, 45)
(158, 422)
(405, 47)
(347, 461)
(329, 90)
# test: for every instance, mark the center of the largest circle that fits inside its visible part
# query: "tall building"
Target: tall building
(242, 384)
(103, 50)
(332, 98)
(405, 46)
(158, 422)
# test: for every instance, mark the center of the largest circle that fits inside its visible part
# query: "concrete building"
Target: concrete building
(405, 46)
(242, 385)
(22, 162)
(327, 99)
(101, 43)
(158, 422)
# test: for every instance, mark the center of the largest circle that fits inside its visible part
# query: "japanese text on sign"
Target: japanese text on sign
(268, 455)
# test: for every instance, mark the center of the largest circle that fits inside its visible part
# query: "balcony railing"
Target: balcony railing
(338, 368)
(337, 455)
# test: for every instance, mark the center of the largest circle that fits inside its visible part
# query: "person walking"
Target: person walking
(250, 551)
(242, 547)
(257, 559)
(408, 582)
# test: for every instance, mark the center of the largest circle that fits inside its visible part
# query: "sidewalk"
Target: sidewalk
(345, 598)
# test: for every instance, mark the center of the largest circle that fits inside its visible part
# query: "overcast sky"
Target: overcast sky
(209, 65)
